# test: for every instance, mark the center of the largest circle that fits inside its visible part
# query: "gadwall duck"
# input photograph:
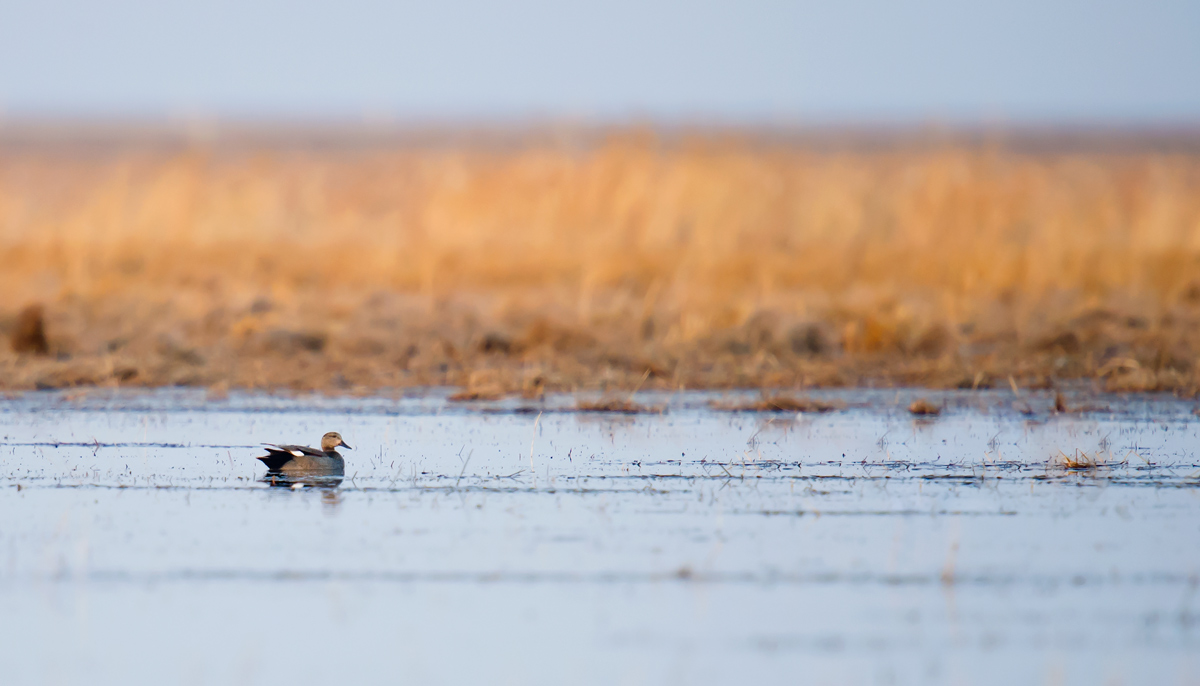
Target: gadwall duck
(293, 459)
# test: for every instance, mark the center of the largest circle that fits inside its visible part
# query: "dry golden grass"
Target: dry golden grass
(616, 406)
(921, 406)
(703, 262)
(1081, 461)
(780, 403)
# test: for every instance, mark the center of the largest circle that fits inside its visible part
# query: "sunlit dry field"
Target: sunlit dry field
(611, 261)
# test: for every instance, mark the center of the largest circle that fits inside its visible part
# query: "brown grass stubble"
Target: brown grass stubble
(708, 263)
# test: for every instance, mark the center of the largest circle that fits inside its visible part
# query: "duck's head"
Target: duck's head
(332, 440)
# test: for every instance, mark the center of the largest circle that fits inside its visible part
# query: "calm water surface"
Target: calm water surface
(139, 543)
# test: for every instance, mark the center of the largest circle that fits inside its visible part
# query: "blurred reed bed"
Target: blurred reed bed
(705, 261)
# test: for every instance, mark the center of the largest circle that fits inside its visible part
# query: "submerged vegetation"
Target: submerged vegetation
(615, 262)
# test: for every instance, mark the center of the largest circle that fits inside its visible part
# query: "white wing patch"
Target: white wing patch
(297, 453)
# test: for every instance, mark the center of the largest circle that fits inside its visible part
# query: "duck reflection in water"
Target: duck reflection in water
(295, 466)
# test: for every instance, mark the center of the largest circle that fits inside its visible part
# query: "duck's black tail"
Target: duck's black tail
(275, 459)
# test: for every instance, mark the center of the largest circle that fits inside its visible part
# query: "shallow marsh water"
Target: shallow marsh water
(498, 543)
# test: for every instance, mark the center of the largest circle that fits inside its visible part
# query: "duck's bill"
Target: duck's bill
(346, 446)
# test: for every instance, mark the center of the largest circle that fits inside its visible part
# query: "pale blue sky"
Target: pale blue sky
(988, 61)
